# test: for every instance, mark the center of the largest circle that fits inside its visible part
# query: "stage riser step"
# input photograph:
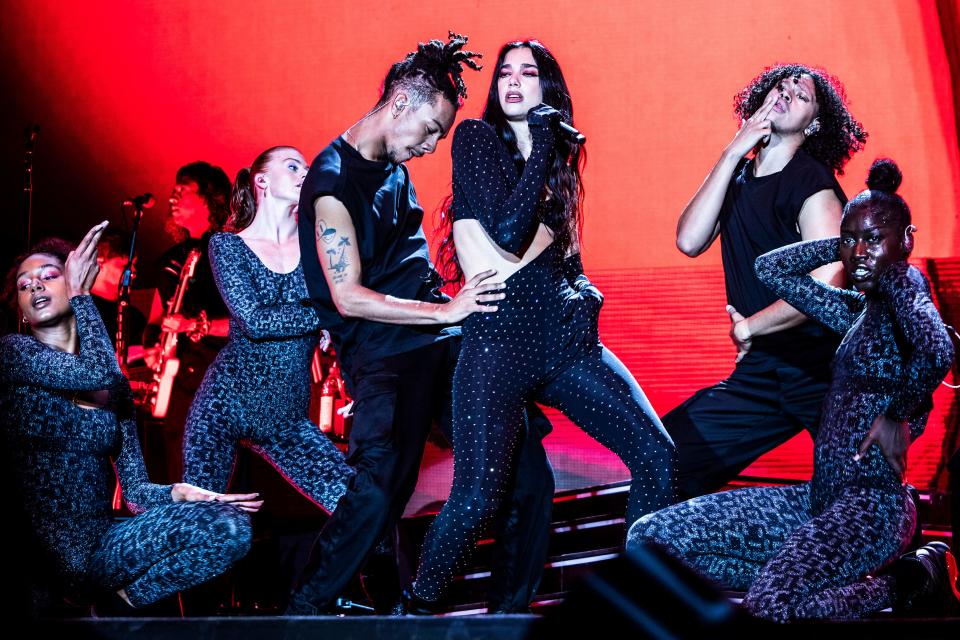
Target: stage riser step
(558, 575)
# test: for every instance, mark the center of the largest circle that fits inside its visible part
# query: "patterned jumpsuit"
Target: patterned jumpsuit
(258, 389)
(60, 457)
(806, 551)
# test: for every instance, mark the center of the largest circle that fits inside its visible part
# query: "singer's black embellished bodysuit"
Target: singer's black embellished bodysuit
(541, 345)
(805, 551)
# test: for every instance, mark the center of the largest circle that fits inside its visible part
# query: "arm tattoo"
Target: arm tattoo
(338, 260)
(325, 233)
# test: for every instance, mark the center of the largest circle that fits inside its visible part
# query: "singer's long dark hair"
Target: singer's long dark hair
(562, 212)
(243, 200)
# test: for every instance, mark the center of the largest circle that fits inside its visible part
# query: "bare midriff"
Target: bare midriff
(477, 251)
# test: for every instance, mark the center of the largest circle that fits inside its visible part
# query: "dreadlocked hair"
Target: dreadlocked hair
(436, 67)
(562, 211)
(840, 134)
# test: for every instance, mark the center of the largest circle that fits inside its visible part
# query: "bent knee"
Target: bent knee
(230, 531)
(651, 528)
(768, 605)
(476, 506)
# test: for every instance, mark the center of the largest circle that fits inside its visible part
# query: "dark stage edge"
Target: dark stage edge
(497, 627)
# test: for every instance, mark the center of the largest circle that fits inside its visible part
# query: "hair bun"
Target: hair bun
(884, 176)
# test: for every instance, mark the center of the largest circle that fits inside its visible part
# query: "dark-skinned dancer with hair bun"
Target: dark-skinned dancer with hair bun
(257, 390)
(815, 550)
(369, 273)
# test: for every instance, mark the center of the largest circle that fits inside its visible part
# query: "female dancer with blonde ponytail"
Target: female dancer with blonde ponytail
(258, 389)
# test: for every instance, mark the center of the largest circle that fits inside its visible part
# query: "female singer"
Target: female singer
(516, 208)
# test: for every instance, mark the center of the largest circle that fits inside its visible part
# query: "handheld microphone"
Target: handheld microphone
(141, 202)
(571, 133)
(554, 118)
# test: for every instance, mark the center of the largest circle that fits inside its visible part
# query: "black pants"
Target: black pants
(540, 345)
(720, 430)
(396, 401)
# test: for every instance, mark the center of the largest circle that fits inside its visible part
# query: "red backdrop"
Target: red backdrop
(126, 93)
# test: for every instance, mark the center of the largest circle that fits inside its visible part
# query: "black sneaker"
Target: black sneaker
(938, 595)
(413, 605)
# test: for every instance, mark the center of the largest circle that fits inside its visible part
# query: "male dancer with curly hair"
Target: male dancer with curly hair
(796, 125)
(368, 272)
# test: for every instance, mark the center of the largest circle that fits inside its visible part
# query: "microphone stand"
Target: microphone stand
(31, 133)
(123, 289)
(123, 301)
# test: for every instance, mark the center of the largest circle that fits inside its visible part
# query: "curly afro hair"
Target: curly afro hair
(840, 134)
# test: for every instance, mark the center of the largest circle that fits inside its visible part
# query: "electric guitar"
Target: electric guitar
(167, 365)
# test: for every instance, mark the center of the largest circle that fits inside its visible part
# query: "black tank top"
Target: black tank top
(762, 214)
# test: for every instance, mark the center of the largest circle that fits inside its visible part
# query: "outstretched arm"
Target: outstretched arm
(138, 492)
(787, 271)
(337, 249)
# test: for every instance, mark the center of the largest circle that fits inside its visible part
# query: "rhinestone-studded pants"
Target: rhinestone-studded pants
(793, 562)
(396, 400)
(541, 345)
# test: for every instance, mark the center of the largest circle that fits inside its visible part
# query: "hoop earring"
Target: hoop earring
(811, 129)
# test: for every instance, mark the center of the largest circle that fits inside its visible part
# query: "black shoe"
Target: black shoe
(413, 605)
(937, 595)
(300, 606)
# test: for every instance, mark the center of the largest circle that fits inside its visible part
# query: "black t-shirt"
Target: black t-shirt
(394, 255)
(760, 215)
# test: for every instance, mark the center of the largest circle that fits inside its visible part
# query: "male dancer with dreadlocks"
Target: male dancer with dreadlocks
(798, 127)
(368, 272)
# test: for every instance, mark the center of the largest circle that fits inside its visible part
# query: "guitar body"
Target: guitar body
(167, 367)
(164, 383)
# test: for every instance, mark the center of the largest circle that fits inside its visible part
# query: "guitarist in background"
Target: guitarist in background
(199, 206)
